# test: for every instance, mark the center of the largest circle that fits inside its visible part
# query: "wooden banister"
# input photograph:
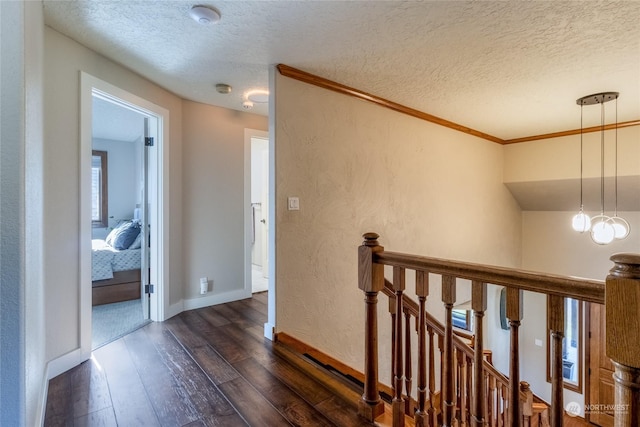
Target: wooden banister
(623, 336)
(472, 391)
(550, 284)
(370, 281)
(479, 305)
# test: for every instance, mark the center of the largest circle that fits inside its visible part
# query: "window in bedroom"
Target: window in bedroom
(99, 206)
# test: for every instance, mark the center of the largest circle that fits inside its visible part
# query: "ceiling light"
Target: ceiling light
(223, 88)
(259, 96)
(204, 15)
(603, 229)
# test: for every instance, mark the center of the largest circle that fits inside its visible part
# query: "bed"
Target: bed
(115, 265)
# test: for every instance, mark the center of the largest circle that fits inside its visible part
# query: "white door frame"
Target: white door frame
(248, 220)
(160, 230)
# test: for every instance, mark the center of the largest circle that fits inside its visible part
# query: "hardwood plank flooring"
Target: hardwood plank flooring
(204, 367)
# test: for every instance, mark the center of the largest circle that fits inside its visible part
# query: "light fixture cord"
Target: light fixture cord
(616, 166)
(602, 156)
(581, 112)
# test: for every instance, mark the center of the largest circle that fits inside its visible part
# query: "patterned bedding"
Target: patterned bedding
(106, 260)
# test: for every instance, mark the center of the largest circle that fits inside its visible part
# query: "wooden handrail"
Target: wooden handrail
(567, 287)
(472, 391)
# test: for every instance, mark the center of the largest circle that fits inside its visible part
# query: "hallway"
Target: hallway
(205, 367)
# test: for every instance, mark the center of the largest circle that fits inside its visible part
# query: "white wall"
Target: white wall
(213, 201)
(357, 167)
(63, 60)
(22, 363)
(550, 245)
(123, 175)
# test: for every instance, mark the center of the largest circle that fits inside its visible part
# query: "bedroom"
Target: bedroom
(117, 174)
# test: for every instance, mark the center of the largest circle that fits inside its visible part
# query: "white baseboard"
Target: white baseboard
(54, 368)
(214, 299)
(174, 309)
(65, 362)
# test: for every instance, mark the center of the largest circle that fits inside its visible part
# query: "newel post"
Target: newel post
(370, 281)
(622, 301)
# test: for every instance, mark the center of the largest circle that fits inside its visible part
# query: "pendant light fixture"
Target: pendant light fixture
(581, 221)
(620, 225)
(603, 229)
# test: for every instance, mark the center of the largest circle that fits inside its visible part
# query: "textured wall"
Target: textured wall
(358, 167)
(63, 61)
(213, 196)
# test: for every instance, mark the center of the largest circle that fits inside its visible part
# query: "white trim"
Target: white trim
(65, 362)
(270, 326)
(174, 309)
(215, 299)
(248, 134)
(90, 85)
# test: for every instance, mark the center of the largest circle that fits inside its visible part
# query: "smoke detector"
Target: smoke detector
(223, 88)
(247, 105)
(204, 15)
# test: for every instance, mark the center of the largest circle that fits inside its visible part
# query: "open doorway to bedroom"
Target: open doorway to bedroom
(119, 193)
(124, 183)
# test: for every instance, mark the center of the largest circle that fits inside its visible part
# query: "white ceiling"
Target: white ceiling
(116, 123)
(506, 68)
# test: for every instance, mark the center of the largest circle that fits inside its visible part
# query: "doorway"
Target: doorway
(140, 162)
(259, 214)
(119, 195)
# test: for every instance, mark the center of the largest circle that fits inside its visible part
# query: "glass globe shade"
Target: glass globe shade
(620, 227)
(581, 222)
(602, 231)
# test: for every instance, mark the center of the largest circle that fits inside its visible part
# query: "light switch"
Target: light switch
(538, 342)
(294, 204)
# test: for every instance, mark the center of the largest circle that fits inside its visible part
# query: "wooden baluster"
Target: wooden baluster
(432, 414)
(479, 306)
(491, 401)
(370, 281)
(407, 363)
(441, 348)
(622, 301)
(514, 314)
(462, 391)
(398, 375)
(501, 407)
(526, 400)
(422, 291)
(555, 320)
(392, 311)
(469, 387)
(506, 405)
(448, 392)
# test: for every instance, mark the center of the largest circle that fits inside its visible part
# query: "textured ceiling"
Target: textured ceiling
(116, 123)
(507, 68)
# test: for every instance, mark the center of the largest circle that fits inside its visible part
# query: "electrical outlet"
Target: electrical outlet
(204, 285)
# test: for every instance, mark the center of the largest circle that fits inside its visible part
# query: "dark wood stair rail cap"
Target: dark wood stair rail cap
(623, 335)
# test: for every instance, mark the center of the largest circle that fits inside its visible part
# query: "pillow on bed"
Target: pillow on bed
(137, 244)
(123, 235)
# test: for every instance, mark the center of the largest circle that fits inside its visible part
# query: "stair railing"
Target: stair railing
(426, 409)
(623, 296)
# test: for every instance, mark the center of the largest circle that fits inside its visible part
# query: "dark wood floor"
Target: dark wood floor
(205, 367)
